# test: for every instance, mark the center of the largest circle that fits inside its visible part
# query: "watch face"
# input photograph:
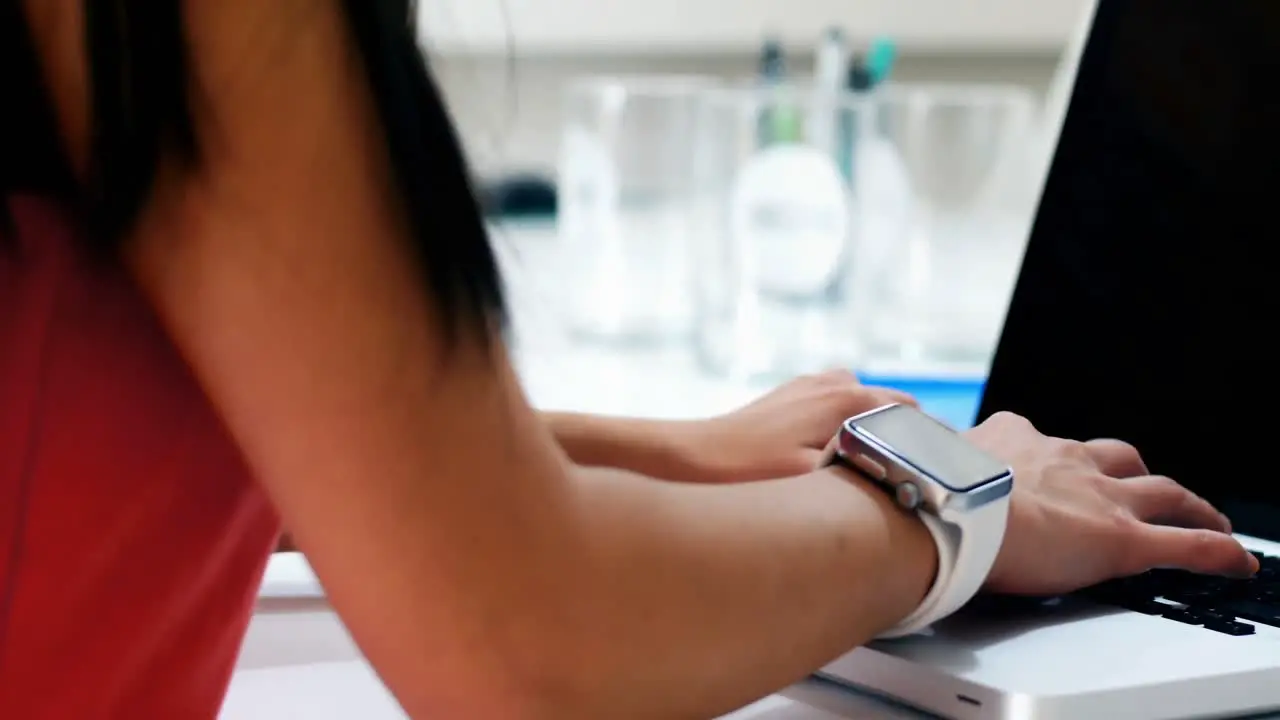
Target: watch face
(930, 446)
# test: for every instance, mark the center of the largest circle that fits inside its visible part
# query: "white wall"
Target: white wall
(717, 26)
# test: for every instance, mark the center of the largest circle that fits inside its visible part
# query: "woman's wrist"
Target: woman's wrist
(908, 564)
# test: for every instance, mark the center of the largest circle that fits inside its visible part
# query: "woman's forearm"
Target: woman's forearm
(666, 449)
(694, 600)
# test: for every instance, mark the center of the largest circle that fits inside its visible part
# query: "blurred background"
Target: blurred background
(504, 63)
(697, 199)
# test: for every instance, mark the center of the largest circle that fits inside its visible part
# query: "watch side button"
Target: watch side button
(908, 495)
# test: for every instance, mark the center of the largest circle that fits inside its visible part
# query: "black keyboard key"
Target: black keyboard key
(1146, 607)
(1210, 615)
(1195, 599)
(1230, 627)
(1219, 604)
(1185, 616)
(1253, 611)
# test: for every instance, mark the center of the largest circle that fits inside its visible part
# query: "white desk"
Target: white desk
(299, 662)
(348, 690)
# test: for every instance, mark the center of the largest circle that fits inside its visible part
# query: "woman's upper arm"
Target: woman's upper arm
(281, 267)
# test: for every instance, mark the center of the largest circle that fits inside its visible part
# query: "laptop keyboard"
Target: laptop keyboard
(1231, 607)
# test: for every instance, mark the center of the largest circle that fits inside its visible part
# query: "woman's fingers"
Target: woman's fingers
(857, 399)
(1201, 551)
(1116, 458)
(1156, 499)
(888, 396)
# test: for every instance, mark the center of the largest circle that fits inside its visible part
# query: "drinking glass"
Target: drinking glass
(946, 213)
(624, 182)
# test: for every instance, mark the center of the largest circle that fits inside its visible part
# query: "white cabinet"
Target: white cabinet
(713, 26)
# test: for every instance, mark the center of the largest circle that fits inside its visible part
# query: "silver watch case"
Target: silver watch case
(914, 487)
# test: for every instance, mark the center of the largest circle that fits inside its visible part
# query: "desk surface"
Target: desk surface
(298, 662)
(346, 690)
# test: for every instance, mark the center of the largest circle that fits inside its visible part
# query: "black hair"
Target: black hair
(141, 99)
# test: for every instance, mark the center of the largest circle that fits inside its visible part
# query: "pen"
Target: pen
(858, 81)
(830, 61)
(778, 122)
(771, 71)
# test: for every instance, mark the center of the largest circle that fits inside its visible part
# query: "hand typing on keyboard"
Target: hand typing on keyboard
(1085, 512)
(1220, 604)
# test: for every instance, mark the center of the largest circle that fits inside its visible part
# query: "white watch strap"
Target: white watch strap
(968, 544)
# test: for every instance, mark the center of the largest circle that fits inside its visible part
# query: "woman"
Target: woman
(243, 278)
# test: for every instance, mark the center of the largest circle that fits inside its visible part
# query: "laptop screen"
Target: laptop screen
(1148, 301)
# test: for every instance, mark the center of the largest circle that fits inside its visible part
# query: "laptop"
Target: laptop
(1143, 311)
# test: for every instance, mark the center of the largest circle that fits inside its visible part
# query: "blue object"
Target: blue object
(954, 402)
(520, 196)
(859, 76)
(880, 59)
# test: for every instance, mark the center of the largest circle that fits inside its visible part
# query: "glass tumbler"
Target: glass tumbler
(774, 204)
(945, 219)
(623, 223)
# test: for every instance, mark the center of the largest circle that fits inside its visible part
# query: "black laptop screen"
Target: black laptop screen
(1148, 304)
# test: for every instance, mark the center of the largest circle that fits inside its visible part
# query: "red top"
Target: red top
(132, 536)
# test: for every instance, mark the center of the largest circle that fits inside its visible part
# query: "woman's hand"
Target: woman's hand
(784, 432)
(1085, 512)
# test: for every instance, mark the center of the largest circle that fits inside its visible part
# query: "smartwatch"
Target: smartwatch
(960, 492)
